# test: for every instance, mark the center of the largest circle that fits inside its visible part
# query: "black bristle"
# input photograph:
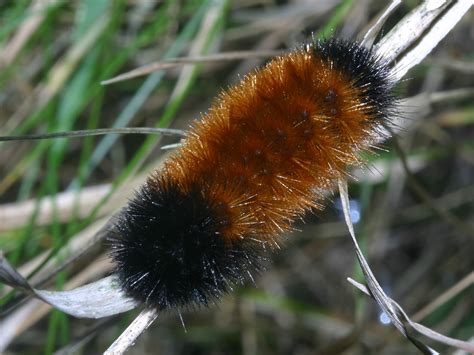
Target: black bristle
(368, 72)
(169, 252)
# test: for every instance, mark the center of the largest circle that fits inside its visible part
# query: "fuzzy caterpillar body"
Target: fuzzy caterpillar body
(258, 160)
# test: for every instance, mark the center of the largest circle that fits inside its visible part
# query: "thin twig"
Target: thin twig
(97, 132)
(434, 35)
(392, 309)
(176, 62)
(445, 296)
(373, 31)
(133, 331)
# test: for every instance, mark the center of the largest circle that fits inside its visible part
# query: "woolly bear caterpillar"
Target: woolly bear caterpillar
(257, 160)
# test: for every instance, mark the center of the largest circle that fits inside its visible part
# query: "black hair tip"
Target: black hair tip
(169, 253)
(368, 72)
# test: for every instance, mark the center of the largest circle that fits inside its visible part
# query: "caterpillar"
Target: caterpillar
(262, 156)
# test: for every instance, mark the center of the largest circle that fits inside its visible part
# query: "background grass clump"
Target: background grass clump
(55, 194)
